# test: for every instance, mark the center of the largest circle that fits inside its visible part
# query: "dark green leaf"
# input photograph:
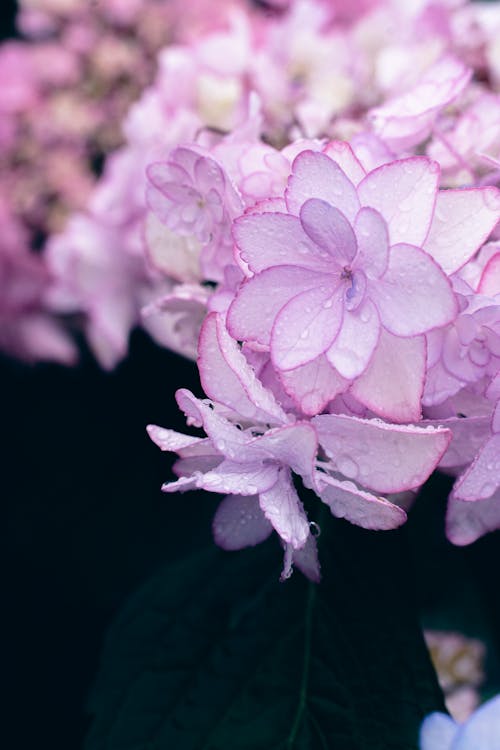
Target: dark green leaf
(215, 654)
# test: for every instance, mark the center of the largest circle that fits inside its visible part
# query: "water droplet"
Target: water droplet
(328, 304)
(220, 445)
(314, 529)
(305, 333)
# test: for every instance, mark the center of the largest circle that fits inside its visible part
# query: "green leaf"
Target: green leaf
(215, 654)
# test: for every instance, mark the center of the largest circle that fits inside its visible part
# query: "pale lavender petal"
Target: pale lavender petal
(306, 560)
(175, 255)
(490, 279)
(239, 522)
(437, 732)
(342, 153)
(414, 294)
(315, 175)
(230, 477)
(358, 337)
(469, 436)
(463, 220)
(393, 382)
(482, 478)
(384, 457)
(283, 508)
(314, 385)
(183, 484)
(306, 326)
(252, 314)
(227, 377)
(294, 445)
(329, 229)
(169, 440)
(373, 242)
(404, 193)
(467, 521)
(275, 239)
(345, 500)
(482, 729)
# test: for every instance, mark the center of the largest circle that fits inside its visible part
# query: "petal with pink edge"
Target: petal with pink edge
(353, 348)
(384, 457)
(345, 500)
(274, 239)
(314, 385)
(393, 382)
(239, 522)
(169, 440)
(373, 242)
(306, 327)
(414, 295)
(462, 221)
(342, 153)
(490, 279)
(482, 478)
(467, 521)
(315, 175)
(227, 377)
(404, 193)
(230, 477)
(252, 313)
(294, 445)
(283, 508)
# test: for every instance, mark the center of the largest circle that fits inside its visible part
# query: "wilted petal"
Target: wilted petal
(329, 229)
(467, 521)
(463, 220)
(404, 193)
(227, 377)
(239, 522)
(275, 239)
(252, 313)
(282, 506)
(373, 242)
(384, 457)
(358, 337)
(414, 295)
(306, 327)
(345, 500)
(314, 385)
(437, 732)
(315, 175)
(306, 560)
(482, 478)
(392, 384)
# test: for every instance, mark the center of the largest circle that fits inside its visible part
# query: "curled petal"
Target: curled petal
(230, 477)
(294, 445)
(467, 521)
(282, 507)
(314, 385)
(482, 478)
(342, 153)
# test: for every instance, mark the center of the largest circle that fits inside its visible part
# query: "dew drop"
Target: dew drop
(328, 304)
(314, 529)
(305, 333)
(220, 445)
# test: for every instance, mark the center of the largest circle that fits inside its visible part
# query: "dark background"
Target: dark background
(84, 524)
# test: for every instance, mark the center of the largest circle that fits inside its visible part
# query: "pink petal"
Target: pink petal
(306, 327)
(173, 254)
(227, 377)
(463, 220)
(490, 279)
(383, 457)
(373, 242)
(230, 477)
(358, 337)
(239, 522)
(345, 500)
(169, 440)
(274, 239)
(414, 295)
(306, 560)
(294, 445)
(467, 521)
(315, 175)
(392, 384)
(404, 193)
(314, 385)
(282, 507)
(482, 478)
(252, 314)
(329, 229)
(342, 153)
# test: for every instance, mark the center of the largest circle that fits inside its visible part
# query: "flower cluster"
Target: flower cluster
(307, 202)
